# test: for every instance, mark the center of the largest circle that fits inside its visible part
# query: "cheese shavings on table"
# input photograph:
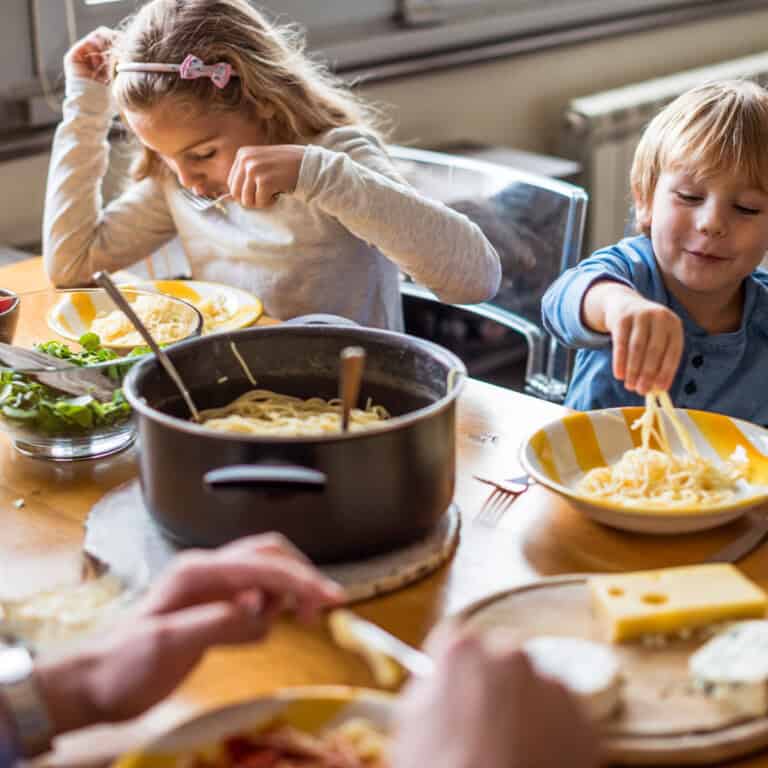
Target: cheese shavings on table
(673, 600)
(591, 671)
(54, 618)
(659, 476)
(733, 668)
(165, 319)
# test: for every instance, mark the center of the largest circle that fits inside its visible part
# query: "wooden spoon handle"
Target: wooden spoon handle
(352, 360)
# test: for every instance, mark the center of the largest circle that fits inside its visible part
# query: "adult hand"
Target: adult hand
(260, 174)
(647, 337)
(486, 706)
(89, 57)
(227, 596)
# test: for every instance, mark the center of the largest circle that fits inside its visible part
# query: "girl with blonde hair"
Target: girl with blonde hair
(314, 216)
(683, 306)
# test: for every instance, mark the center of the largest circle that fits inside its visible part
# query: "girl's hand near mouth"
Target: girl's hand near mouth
(260, 175)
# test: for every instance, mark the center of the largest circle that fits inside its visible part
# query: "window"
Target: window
(360, 33)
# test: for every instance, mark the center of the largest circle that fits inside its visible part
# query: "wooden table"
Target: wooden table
(541, 534)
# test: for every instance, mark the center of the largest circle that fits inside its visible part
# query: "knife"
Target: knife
(741, 547)
(378, 647)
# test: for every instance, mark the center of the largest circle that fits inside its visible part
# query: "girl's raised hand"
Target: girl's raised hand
(88, 58)
(260, 174)
(647, 341)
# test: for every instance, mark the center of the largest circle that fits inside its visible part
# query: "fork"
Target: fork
(201, 202)
(504, 494)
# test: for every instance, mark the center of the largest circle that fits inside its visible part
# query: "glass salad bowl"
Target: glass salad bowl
(61, 382)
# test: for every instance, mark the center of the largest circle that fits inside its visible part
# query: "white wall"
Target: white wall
(22, 188)
(517, 102)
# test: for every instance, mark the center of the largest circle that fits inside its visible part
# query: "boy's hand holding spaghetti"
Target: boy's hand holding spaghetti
(88, 58)
(647, 337)
(260, 174)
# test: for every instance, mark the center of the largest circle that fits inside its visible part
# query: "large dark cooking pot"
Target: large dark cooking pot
(336, 497)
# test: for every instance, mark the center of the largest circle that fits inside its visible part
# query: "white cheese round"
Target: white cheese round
(733, 667)
(591, 671)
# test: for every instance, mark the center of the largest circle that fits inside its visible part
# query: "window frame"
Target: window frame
(374, 45)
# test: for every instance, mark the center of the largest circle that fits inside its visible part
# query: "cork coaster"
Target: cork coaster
(121, 533)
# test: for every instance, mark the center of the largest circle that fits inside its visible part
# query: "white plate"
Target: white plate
(242, 308)
(561, 453)
(74, 312)
(310, 708)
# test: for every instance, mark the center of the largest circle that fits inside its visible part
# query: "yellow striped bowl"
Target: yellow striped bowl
(309, 708)
(561, 453)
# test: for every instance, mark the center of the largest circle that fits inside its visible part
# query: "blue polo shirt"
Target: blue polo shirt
(726, 372)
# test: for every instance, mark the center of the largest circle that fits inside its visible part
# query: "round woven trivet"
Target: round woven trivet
(121, 533)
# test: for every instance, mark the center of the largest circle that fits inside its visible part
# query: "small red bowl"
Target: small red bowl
(9, 314)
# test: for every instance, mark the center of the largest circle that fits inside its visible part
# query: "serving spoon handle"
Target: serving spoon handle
(105, 281)
(351, 362)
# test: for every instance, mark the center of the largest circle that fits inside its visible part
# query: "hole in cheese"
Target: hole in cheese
(654, 599)
(615, 591)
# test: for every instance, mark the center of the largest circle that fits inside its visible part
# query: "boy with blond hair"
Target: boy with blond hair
(683, 306)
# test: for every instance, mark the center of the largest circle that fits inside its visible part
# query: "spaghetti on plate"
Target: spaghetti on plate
(165, 319)
(658, 476)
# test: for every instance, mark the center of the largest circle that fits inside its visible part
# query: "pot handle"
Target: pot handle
(321, 319)
(275, 476)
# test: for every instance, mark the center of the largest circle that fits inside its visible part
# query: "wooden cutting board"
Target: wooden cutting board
(662, 721)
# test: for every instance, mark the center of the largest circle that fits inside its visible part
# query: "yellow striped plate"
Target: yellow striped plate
(311, 708)
(561, 453)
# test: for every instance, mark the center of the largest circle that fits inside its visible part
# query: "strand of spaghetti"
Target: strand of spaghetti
(242, 362)
(682, 432)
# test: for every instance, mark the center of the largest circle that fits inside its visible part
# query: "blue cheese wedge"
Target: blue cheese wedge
(733, 668)
(591, 671)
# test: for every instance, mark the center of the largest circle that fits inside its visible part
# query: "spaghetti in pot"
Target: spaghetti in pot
(263, 412)
(657, 476)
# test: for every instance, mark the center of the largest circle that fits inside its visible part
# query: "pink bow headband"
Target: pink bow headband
(189, 69)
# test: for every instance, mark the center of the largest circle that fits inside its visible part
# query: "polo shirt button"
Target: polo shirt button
(690, 388)
(697, 361)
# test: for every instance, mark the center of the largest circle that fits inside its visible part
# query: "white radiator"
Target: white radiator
(602, 131)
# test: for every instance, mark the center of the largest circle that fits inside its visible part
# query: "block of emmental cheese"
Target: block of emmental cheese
(670, 600)
(733, 668)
